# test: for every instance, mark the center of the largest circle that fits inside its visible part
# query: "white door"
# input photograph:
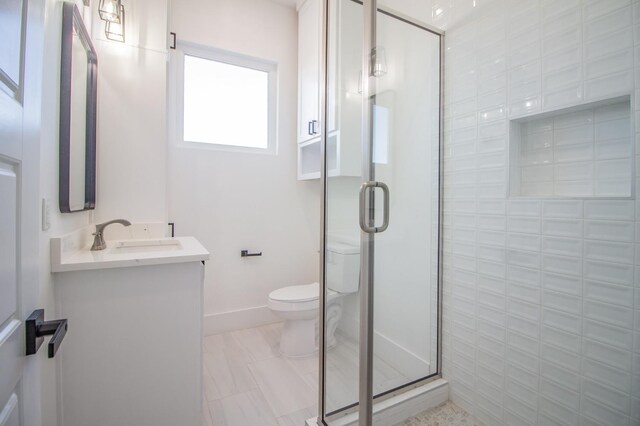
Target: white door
(19, 375)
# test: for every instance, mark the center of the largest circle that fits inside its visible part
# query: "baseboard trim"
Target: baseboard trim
(237, 320)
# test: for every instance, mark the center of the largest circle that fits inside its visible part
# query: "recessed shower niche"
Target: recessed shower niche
(581, 152)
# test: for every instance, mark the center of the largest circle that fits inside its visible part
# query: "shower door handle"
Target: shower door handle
(363, 208)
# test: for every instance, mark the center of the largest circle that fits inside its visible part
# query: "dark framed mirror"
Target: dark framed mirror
(78, 105)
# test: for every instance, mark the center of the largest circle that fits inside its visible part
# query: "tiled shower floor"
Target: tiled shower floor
(447, 414)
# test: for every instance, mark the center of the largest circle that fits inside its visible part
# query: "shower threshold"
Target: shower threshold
(398, 408)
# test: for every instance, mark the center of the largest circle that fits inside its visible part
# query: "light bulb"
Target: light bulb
(115, 30)
(109, 10)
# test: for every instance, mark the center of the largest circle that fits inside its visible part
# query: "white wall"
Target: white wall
(542, 296)
(48, 162)
(232, 201)
(132, 132)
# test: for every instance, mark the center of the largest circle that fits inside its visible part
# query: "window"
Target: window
(228, 100)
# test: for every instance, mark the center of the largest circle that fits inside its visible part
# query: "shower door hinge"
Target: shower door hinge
(173, 41)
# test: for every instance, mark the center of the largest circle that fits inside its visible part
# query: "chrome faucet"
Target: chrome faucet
(98, 241)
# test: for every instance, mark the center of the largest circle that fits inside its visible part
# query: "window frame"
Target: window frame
(231, 58)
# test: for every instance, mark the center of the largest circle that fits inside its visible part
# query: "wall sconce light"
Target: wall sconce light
(115, 30)
(378, 62)
(110, 10)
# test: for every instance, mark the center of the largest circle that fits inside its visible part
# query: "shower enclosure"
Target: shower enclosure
(380, 174)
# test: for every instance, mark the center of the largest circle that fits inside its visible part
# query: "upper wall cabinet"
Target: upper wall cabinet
(309, 50)
(344, 100)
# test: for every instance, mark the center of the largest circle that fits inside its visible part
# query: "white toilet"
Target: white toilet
(298, 304)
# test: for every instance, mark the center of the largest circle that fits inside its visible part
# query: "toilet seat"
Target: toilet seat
(297, 297)
(296, 293)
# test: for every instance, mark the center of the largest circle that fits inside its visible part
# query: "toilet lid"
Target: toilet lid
(296, 293)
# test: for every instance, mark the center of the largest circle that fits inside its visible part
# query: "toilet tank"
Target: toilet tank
(343, 267)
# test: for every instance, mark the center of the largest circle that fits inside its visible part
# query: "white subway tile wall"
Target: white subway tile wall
(542, 295)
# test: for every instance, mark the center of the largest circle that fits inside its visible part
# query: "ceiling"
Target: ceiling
(288, 3)
(439, 13)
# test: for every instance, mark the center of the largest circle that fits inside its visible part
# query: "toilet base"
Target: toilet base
(298, 338)
(291, 347)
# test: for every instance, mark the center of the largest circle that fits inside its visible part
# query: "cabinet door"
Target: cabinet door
(309, 32)
(332, 67)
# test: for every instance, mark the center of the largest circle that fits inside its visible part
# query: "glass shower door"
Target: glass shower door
(381, 196)
(405, 117)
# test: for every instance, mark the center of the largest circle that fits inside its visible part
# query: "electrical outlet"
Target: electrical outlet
(46, 215)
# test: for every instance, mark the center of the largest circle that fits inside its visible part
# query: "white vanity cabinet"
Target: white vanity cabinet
(132, 354)
(344, 100)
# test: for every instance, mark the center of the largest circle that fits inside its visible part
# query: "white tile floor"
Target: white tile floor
(246, 380)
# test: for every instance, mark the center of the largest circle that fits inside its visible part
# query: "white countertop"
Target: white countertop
(72, 252)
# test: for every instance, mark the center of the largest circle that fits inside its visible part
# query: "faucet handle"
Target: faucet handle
(98, 241)
(100, 226)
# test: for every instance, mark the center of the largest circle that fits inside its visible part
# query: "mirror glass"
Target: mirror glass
(78, 126)
(78, 90)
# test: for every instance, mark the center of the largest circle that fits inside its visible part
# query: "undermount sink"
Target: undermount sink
(72, 252)
(146, 246)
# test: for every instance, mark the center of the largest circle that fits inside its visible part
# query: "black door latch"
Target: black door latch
(36, 327)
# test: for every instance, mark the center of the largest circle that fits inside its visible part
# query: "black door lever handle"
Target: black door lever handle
(36, 327)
